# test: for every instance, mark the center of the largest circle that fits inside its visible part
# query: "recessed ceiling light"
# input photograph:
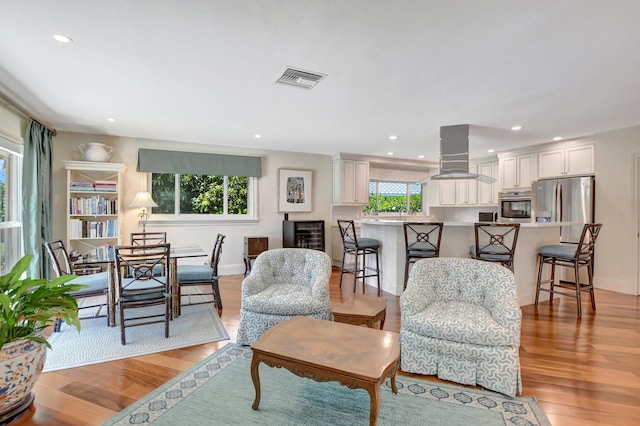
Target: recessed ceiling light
(390, 153)
(420, 156)
(393, 137)
(557, 138)
(112, 120)
(62, 38)
(516, 128)
(257, 136)
(491, 150)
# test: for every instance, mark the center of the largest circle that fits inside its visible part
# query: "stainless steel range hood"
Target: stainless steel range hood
(454, 154)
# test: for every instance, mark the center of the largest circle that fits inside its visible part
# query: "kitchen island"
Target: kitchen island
(457, 238)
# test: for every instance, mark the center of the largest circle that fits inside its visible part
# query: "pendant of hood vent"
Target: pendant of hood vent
(454, 155)
(300, 78)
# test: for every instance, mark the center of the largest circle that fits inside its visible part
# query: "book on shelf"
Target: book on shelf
(79, 228)
(94, 205)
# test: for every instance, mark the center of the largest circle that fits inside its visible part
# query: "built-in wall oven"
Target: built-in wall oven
(514, 206)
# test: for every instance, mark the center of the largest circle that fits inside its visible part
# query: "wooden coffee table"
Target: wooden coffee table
(356, 357)
(362, 309)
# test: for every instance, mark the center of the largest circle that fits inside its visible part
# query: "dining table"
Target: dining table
(105, 256)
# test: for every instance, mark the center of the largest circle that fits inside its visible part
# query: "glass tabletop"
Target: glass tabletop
(104, 255)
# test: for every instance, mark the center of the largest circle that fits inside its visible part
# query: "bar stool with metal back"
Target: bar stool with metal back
(421, 240)
(496, 242)
(358, 247)
(572, 256)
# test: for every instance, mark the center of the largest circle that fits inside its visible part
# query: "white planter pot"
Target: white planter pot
(96, 152)
(21, 363)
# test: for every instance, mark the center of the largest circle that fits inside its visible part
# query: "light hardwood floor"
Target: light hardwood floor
(583, 372)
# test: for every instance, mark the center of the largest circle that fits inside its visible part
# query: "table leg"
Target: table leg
(255, 362)
(384, 317)
(374, 405)
(175, 290)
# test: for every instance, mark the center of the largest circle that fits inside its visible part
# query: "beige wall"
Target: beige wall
(617, 257)
(270, 223)
(617, 252)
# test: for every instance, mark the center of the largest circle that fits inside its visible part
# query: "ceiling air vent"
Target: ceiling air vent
(300, 78)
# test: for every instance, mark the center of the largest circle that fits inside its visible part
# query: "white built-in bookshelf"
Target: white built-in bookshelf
(94, 208)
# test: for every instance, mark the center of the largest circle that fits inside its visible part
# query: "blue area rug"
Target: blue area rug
(219, 391)
(97, 342)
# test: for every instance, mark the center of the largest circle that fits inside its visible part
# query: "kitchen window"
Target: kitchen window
(394, 197)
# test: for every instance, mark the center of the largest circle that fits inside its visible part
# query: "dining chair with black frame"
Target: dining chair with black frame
(98, 282)
(199, 275)
(140, 286)
(421, 241)
(148, 238)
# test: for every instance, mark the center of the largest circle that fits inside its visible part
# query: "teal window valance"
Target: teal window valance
(197, 163)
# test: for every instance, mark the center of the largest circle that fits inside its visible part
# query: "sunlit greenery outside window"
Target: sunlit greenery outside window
(394, 197)
(201, 194)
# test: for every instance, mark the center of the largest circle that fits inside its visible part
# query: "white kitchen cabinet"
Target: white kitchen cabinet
(350, 182)
(447, 192)
(517, 172)
(488, 192)
(571, 161)
(467, 189)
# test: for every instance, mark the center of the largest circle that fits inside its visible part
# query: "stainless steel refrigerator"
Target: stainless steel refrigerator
(564, 200)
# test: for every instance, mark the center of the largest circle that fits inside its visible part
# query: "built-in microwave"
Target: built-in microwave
(514, 206)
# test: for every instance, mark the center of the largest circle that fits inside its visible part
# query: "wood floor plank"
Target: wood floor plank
(582, 372)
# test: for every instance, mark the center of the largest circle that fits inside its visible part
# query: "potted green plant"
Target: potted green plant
(27, 307)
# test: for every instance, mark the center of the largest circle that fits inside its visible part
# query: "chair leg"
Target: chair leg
(378, 272)
(217, 299)
(552, 279)
(122, 335)
(364, 269)
(576, 267)
(355, 272)
(591, 292)
(406, 273)
(344, 254)
(167, 313)
(540, 264)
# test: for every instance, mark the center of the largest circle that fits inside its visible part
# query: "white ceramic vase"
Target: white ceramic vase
(96, 152)
(21, 363)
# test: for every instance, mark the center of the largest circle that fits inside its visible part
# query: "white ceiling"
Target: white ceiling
(203, 71)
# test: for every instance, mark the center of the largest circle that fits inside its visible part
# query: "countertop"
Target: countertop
(398, 222)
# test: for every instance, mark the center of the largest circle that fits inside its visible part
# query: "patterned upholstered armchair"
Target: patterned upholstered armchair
(460, 320)
(284, 283)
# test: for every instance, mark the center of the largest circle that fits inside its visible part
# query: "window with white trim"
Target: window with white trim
(10, 210)
(212, 196)
(394, 197)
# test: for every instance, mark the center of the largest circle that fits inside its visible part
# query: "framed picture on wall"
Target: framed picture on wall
(294, 190)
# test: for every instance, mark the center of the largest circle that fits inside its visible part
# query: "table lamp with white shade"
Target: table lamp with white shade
(143, 201)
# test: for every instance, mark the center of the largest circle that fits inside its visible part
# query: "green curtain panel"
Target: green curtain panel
(36, 196)
(197, 163)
